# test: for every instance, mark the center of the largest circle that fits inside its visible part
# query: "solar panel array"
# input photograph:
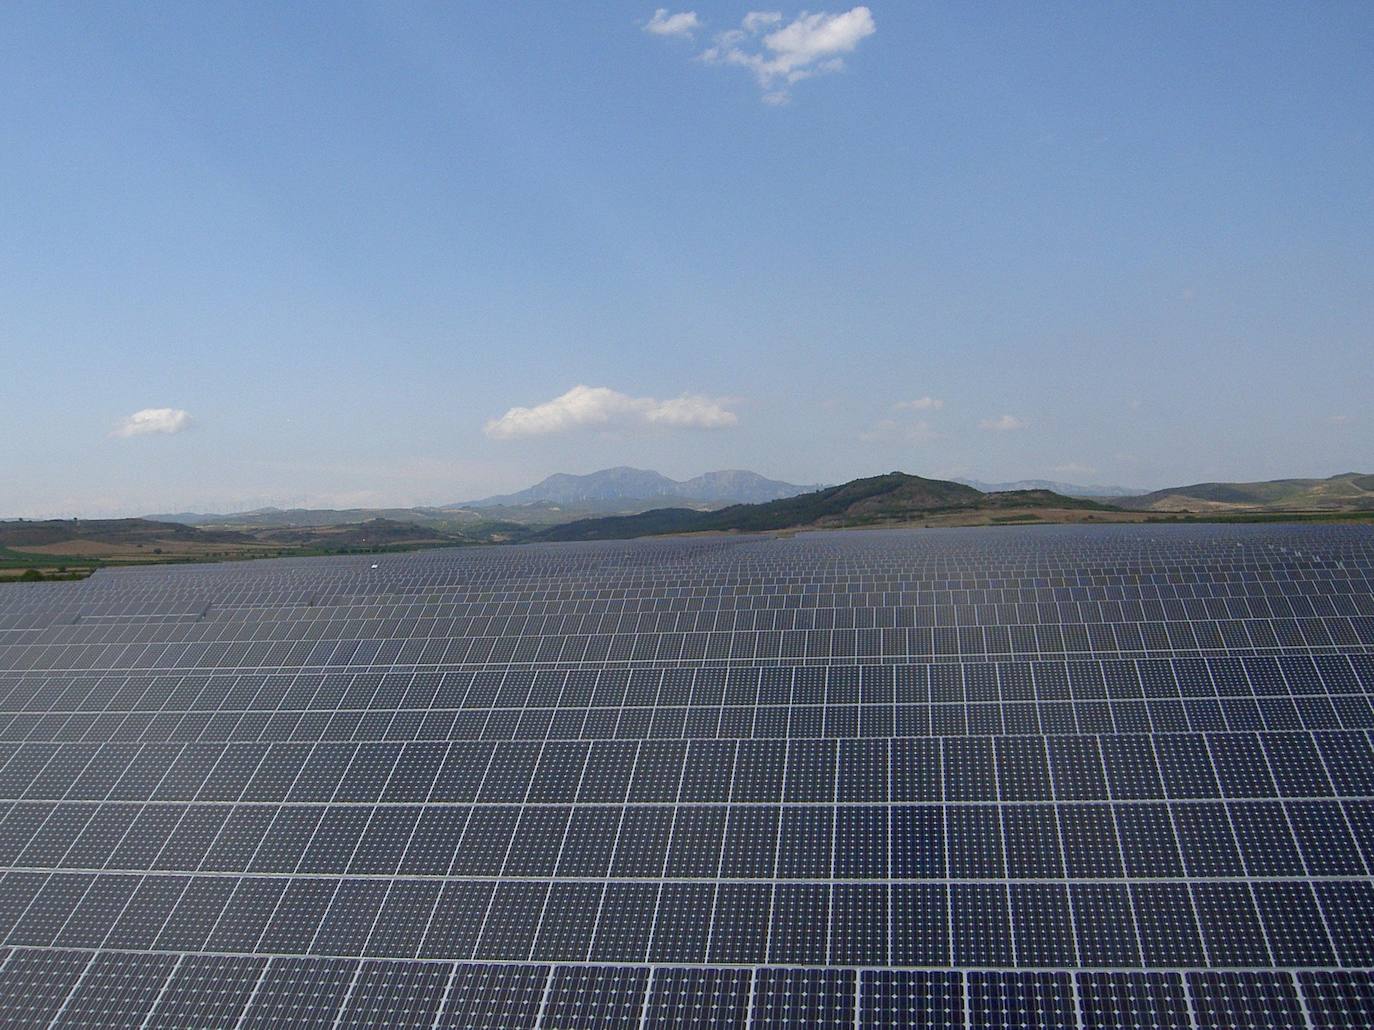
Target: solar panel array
(1095, 777)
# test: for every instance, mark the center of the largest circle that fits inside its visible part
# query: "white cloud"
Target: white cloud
(781, 55)
(153, 420)
(684, 23)
(920, 404)
(593, 407)
(1003, 423)
(892, 431)
(905, 430)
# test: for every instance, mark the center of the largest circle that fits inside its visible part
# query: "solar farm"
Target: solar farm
(1115, 776)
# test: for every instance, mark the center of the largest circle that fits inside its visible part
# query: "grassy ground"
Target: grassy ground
(53, 566)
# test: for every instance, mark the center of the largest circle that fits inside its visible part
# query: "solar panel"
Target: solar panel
(1116, 776)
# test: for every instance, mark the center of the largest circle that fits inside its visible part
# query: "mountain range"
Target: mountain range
(622, 483)
(622, 491)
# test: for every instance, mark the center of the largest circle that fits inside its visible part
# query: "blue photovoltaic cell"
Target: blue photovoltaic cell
(1108, 776)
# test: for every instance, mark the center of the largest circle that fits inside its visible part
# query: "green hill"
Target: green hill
(372, 533)
(28, 533)
(1349, 491)
(892, 498)
(85, 544)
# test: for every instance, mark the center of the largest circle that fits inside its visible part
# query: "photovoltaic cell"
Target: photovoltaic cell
(1109, 776)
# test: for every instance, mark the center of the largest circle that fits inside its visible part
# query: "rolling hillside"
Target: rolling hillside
(89, 543)
(892, 498)
(50, 533)
(1350, 491)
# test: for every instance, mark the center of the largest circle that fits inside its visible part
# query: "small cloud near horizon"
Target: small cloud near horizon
(892, 431)
(1003, 423)
(926, 403)
(153, 420)
(599, 407)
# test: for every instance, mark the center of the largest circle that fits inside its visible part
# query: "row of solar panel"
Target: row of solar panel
(438, 577)
(405, 594)
(1336, 763)
(1093, 679)
(1300, 552)
(487, 580)
(1143, 840)
(651, 612)
(311, 624)
(414, 586)
(414, 581)
(909, 587)
(752, 608)
(1205, 636)
(1225, 924)
(703, 614)
(1197, 715)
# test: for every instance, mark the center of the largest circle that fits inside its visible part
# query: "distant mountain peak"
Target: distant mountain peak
(624, 483)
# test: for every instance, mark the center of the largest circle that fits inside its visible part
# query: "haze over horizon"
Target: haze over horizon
(353, 256)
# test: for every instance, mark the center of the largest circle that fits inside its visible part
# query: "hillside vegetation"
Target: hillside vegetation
(892, 498)
(70, 547)
(1350, 491)
(47, 533)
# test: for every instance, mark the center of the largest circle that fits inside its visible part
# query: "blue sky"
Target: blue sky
(341, 254)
